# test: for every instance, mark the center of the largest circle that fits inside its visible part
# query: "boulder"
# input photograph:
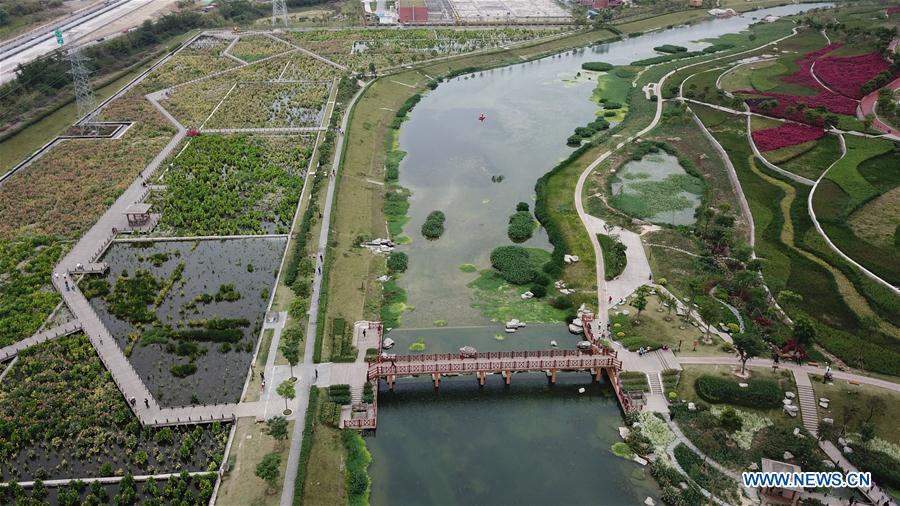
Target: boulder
(790, 395)
(823, 405)
(829, 464)
(796, 431)
(692, 406)
(842, 441)
(636, 425)
(829, 421)
(640, 460)
(787, 456)
(786, 402)
(847, 449)
(743, 385)
(624, 432)
(753, 466)
(682, 485)
(649, 501)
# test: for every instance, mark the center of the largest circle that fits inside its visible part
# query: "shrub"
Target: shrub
(539, 291)
(759, 394)
(522, 206)
(597, 66)
(434, 225)
(670, 48)
(183, 370)
(397, 261)
(514, 264)
(521, 226)
(358, 458)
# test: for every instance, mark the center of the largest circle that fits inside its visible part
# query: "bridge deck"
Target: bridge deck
(512, 361)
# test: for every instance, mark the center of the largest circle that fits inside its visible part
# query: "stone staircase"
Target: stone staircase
(807, 400)
(356, 394)
(655, 383)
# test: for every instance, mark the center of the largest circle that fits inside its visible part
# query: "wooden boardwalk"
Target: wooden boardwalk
(12, 350)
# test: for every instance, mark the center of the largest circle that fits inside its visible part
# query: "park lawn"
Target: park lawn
(876, 221)
(810, 163)
(323, 480)
(612, 88)
(785, 379)
(781, 155)
(657, 331)
(846, 174)
(240, 485)
(857, 399)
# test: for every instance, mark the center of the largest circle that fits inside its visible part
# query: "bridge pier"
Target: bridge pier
(390, 380)
(436, 377)
(481, 378)
(551, 375)
(598, 373)
(507, 376)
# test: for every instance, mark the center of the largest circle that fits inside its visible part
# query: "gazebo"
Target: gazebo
(779, 495)
(138, 214)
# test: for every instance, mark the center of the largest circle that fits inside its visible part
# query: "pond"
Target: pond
(529, 443)
(221, 282)
(656, 188)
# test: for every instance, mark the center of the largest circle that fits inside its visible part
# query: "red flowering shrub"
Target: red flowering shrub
(846, 75)
(893, 10)
(803, 76)
(785, 135)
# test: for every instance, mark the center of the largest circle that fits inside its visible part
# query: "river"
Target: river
(529, 443)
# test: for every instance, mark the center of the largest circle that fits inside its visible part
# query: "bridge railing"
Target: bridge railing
(455, 365)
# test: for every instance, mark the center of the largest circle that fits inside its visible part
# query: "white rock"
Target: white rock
(847, 449)
(636, 425)
(786, 402)
(829, 464)
(824, 399)
(787, 456)
(796, 430)
(682, 485)
(624, 432)
(790, 395)
(829, 421)
(743, 385)
(842, 441)
(753, 466)
(640, 460)
(823, 405)
(692, 406)
(649, 501)
(554, 344)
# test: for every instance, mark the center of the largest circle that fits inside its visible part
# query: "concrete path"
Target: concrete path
(308, 371)
(13, 350)
(873, 493)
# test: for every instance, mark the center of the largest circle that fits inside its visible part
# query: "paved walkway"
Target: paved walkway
(867, 106)
(308, 369)
(874, 493)
(806, 397)
(13, 350)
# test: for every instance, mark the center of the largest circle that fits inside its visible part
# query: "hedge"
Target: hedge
(521, 226)
(358, 458)
(759, 394)
(514, 264)
(397, 261)
(306, 445)
(433, 227)
(670, 48)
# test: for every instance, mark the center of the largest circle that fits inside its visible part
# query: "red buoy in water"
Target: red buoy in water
(482, 117)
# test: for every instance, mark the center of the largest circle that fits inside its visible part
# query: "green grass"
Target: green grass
(614, 262)
(500, 301)
(612, 88)
(809, 163)
(845, 172)
(855, 401)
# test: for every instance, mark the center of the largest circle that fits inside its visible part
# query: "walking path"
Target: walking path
(806, 397)
(13, 350)
(308, 370)
(867, 106)
(873, 493)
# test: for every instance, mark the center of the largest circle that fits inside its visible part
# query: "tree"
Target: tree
(640, 299)
(277, 428)
(290, 347)
(709, 311)
(804, 331)
(730, 420)
(286, 390)
(267, 469)
(748, 346)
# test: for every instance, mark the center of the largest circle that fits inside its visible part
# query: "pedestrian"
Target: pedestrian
(364, 332)
(651, 277)
(262, 376)
(317, 373)
(146, 402)
(319, 270)
(133, 401)
(610, 299)
(67, 285)
(320, 257)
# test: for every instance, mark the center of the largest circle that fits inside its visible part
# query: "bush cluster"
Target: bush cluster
(597, 66)
(397, 261)
(670, 48)
(434, 225)
(339, 394)
(358, 458)
(521, 226)
(759, 394)
(514, 264)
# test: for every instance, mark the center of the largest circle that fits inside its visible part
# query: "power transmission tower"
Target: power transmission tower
(279, 11)
(84, 92)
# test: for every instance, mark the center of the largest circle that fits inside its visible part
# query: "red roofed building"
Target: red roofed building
(412, 11)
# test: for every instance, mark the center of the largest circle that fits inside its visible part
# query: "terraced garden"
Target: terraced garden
(271, 105)
(200, 58)
(253, 48)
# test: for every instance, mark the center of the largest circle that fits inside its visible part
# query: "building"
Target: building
(412, 11)
(595, 4)
(695, 3)
(778, 495)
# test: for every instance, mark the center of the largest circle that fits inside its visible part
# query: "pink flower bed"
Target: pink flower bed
(785, 135)
(893, 10)
(787, 104)
(803, 76)
(847, 75)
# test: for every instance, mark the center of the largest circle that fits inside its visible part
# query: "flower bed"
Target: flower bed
(793, 107)
(803, 76)
(847, 75)
(785, 135)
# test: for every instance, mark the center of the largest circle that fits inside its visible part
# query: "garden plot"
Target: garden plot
(187, 313)
(193, 103)
(272, 105)
(26, 297)
(234, 185)
(65, 191)
(202, 57)
(302, 67)
(181, 489)
(61, 416)
(253, 48)
(357, 49)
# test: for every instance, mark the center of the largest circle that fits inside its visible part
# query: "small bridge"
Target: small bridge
(506, 363)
